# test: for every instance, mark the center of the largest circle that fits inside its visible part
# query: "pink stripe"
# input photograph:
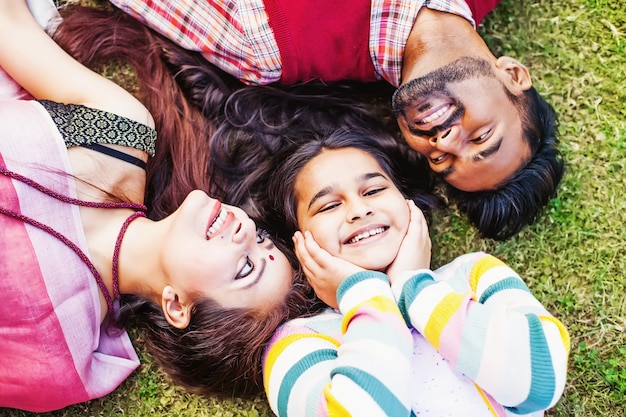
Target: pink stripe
(452, 335)
(32, 338)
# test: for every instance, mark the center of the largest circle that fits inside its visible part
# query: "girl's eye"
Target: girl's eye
(246, 270)
(375, 191)
(328, 207)
(481, 137)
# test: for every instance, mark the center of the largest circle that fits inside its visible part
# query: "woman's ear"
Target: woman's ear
(176, 313)
(516, 75)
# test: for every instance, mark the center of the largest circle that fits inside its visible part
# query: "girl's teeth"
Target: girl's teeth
(367, 234)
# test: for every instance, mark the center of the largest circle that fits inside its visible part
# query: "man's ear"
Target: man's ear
(517, 78)
(176, 314)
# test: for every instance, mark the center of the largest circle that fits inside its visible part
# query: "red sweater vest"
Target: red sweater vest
(328, 39)
(322, 39)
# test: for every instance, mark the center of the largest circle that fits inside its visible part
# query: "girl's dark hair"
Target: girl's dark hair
(264, 125)
(400, 164)
(183, 92)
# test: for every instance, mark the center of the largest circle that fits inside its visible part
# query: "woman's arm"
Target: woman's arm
(357, 363)
(39, 65)
(481, 316)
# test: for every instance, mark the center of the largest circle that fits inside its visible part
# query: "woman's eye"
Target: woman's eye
(246, 270)
(261, 235)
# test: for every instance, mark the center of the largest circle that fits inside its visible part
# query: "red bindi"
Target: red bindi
(271, 257)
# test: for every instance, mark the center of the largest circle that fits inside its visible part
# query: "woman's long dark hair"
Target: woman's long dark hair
(184, 94)
(220, 351)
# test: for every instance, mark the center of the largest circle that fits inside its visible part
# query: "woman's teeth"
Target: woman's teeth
(217, 223)
(367, 234)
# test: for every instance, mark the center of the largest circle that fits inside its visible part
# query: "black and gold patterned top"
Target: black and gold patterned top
(80, 126)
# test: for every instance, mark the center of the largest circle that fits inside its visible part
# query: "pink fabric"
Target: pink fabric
(53, 351)
(9, 89)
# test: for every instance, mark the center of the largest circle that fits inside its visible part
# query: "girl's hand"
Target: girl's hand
(414, 252)
(323, 271)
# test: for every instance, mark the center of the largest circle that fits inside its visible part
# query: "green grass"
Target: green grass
(572, 258)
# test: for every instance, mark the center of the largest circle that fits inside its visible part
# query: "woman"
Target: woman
(79, 255)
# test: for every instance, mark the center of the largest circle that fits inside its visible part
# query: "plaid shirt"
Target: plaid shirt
(235, 35)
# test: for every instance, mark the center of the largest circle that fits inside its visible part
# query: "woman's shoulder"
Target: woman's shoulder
(82, 125)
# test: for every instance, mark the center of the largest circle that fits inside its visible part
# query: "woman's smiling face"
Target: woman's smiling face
(352, 207)
(215, 251)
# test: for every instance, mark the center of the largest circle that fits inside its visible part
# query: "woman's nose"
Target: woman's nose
(245, 231)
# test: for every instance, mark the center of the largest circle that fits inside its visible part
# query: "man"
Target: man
(476, 118)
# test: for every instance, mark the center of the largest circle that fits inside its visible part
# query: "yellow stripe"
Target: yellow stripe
(335, 408)
(278, 347)
(379, 302)
(440, 316)
(481, 266)
(562, 329)
(486, 400)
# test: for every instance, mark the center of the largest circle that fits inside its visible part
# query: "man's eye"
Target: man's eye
(481, 137)
(439, 158)
(246, 270)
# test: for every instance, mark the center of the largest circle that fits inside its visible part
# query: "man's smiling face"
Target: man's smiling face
(462, 120)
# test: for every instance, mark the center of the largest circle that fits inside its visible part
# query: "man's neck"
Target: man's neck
(438, 38)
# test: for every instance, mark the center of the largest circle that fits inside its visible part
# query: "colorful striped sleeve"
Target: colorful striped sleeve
(478, 313)
(356, 362)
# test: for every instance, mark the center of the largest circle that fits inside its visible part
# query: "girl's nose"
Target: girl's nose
(359, 210)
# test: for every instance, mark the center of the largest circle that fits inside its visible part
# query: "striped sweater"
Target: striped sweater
(468, 339)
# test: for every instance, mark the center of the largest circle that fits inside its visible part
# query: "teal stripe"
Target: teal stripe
(473, 340)
(355, 279)
(296, 370)
(379, 392)
(505, 284)
(542, 378)
(411, 290)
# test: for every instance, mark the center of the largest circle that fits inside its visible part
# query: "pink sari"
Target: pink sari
(53, 350)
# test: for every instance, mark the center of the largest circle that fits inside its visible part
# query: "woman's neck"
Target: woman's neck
(136, 256)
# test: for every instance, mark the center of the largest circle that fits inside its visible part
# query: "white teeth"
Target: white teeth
(217, 223)
(435, 115)
(367, 234)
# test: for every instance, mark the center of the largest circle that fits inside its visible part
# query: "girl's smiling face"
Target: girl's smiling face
(352, 207)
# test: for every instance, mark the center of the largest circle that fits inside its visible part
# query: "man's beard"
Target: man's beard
(437, 81)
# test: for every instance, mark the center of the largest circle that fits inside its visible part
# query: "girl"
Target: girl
(468, 339)
(79, 256)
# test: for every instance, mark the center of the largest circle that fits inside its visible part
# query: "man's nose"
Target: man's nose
(441, 135)
(446, 140)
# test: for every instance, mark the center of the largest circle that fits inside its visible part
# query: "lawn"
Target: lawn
(572, 258)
